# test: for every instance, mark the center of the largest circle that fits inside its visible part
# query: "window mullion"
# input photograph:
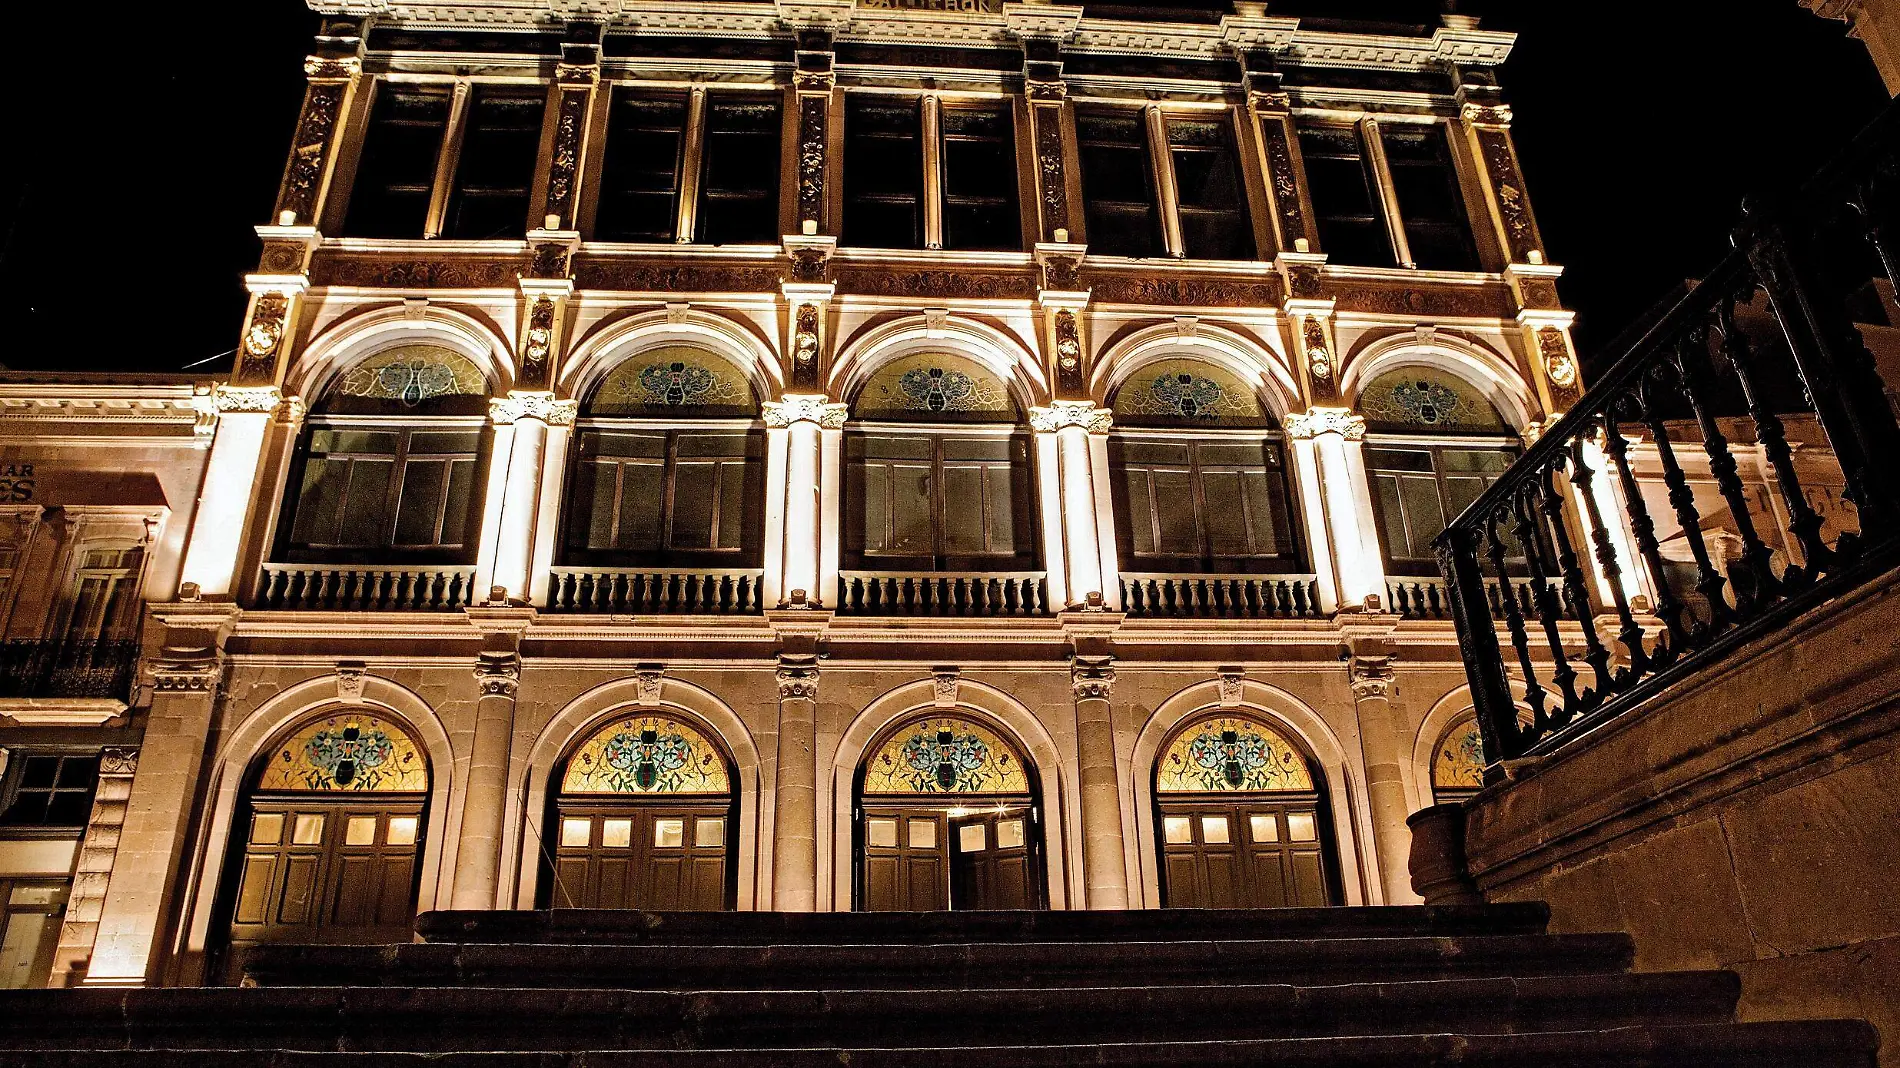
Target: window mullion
(1162, 159)
(691, 164)
(669, 480)
(933, 171)
(392, 493)
(1198, 493)
(1388, 193)
(446, 162)
(939, 547)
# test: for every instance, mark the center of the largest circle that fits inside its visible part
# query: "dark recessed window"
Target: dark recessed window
(738, 197)
(386, 492)
(1431, 204)
(640, 175)
(1417, 490)
(1214, 220)
(495, 168)
(49, 790)
(979, 179)
(1345, 191)
(883, 172)
(1118, 184)
(684, 497)
(1217, 505)
(396, 177)
(928, 502)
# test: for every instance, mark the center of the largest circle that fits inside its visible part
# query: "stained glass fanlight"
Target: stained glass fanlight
(1231, 754)
(1187, 392)
(1459, 762)
(647, 754)
(409, 379)
(1425, 399)
(349, 752)
(945, 755)
(677, 380)
(934, 386)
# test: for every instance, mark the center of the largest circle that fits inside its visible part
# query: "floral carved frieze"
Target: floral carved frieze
(967, 284)
(1183, 292)
(653, 278)
(311, 149)
(377, 272)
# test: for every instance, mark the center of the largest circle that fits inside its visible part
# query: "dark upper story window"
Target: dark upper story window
(1124, 174)
(650, 153)
(979, 179)
(1118, 182)
(48, 789)
(1213, 200)
(883, 171)
(1352, 183)
(490, 151)
(892, 167)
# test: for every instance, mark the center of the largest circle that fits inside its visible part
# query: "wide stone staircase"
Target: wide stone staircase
(1468, 986)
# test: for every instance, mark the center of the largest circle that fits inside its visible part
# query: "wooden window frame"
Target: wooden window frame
(10, 787)
(1024, 558)
(1206, 560)
(1378, 170)
(385, 550)
(1156, 120)
(1436, 448)
(573, 511)
(933, 195)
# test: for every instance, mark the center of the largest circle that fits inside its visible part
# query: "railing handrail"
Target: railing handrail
(1258, 576)
(393, 569)
(1040, 573)
(713, 572)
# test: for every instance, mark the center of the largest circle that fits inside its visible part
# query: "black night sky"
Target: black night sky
(143, 151)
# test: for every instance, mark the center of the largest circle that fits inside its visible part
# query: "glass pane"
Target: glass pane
(1140, 515)
(1266, 513)
(695, 486)
(68, 808)
(1424, 514)
(366, 504)
(881, 834)
(923, 834)
(402, 830)
(360, 830)
(320, 502)
(576, 832)
(1000, 496)
(884, 172)
(39, 773)
(910, 509)
(496, 164)
(733, 495)
(739, 193)
(455, 505)
(267, 828)
(444, 442)
(1174, 497)
(963, 510)
(1226, 523)
(642, 493)
(708, 834)
(1009, 834)
(1300, 827)
(1264, 827)
(973, 838)
(1214, 830)
(308, 830)
(669, 833)
(1177, 830)
(639, 182)
(38, 894)
(78, 773)
(420, 506)
(20, 948)
(391, 193)
(616, 834)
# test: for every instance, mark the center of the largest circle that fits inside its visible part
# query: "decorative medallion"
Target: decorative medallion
(933, 384)
(1558, 363)
(1319, 360)
(347, 753)
(1459, 762)
(1424, 398)
(945, 755)
(266, 332)
(1230, 754)
(669, 379)
(538, 343)
(1184, 390)
(412, 375)
(805, 344)
(646, 755)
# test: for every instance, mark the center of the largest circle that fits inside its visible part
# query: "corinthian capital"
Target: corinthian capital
(263, 399)
(805, 408)
(525, 404)
(1071, 413)
(1346, 423)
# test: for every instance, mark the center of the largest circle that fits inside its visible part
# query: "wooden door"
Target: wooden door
(1265, 852)
(991, 862)
(322, 870)
(665, 858)
(906, 861)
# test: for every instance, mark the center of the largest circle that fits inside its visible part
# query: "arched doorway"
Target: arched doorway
(1243, 821)
(644, 819)
(326, 847)
(948, 818)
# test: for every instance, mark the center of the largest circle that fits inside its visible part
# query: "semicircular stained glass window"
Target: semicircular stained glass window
(1418, 398)
(349, 752)
(945, 755)
(409, 380)
(647, 753)
(1459, 762)
(1183, 391)
(675, 380)
(934, 386)
(1231, 754)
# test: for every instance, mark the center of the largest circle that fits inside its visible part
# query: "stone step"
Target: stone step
(1032, 964)
(1805, 1044)
(628, 926)
(470, 1019)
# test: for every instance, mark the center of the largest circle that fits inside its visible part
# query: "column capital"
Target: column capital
(797, 679)
(1092, 677)
(262, 400)
(1342, 421)
(1062, 413)
(805, 408)
(498, 674)
(532, 404)
(1371, 676)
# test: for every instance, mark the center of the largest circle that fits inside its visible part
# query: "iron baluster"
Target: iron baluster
(1667, 607)
(1534, 693)
(1709, 582)
(1478, 643)
(1630, 634)
(1576, 593)
(1549, 610)
(1757, 585)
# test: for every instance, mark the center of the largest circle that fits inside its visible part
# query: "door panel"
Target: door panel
(616, 854)
(1241, 853)
(990, 866)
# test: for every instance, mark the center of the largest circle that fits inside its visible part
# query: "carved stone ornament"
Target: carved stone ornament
(1319, 360)
(281, 257)
(1488, 114)
(1049, 164)
(671, 279)
(537, 342)
(498, 674)
(648, 685)
(810, 261)
(1092, 680)
(1344, 422)
(579, 74)
(118, 760)
(311, 147)
(551, 259)
(1059, 273)
(811, 154)
(805, 408)
(798, 681)
(246, 398)
(564, 162)
(187, 674)
(322, 68)
(532, 405)
(262, 338)
(1068, 352)
(1510, 191)
(1303, 282)
(1559, 365)
(805, 342)
(1063, 413)
(1372, 676)
(1232, 686)
(944, 686)
(1285, 181)
(350, 675)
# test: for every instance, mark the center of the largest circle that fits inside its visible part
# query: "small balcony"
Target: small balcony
(1428, 598)
(55, 667)
(941, 593)
(362, 588)
(655, 590)
(1219, 596)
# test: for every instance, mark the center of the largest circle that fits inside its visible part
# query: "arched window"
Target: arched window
(325, 847)
(1243, 822)
(1433, 443)
(948, 818)
(1458, 763)
(644, 819)
(389, 468)
(668, 465)
(937, 470)
(1200, 476)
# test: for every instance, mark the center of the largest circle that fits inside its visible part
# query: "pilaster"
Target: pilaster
(1042, 30)
(1105, 872)
(802, 479)
(795, 817)
(1072, 479)
(92, 875)
(1384, 745)
(478, 859)
(516, 533)
(1328, 453)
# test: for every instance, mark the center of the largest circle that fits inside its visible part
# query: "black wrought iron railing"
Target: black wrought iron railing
(1801, 261)
(52, 667)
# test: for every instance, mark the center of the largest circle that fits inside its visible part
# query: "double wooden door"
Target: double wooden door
(1236, 852)
(326, 870)
(669, 857)
(922, 860)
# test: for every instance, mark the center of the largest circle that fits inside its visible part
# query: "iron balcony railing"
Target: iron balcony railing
(54, 667)
(1801, 261)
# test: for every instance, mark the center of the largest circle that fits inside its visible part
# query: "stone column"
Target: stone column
(221, 520)
(1332, 440)
(135, 915)
(799, 554)
(795, 816)
(92, 876)
(1072, 487)
(510, 566)
(1104, 865)
(485, 791)
(1382, 747)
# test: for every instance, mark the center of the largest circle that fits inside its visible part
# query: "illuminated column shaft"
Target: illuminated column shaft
(478, 849)
(1073, 504)
(1382, 745)
(801, 476)
(1337, 439)
(1103, 856)
(523, 455)
(1306, 473)
(795, 816)
(218, 527)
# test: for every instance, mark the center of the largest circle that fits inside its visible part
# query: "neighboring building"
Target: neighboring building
(798, 455)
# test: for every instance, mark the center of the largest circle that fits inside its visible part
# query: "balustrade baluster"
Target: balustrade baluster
(1549, 607)
(1534, 694)
(1631, 633)
(1756, 585)
(1709, 582)
(1667, 607)
(1457, 550)
(1576, 592)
